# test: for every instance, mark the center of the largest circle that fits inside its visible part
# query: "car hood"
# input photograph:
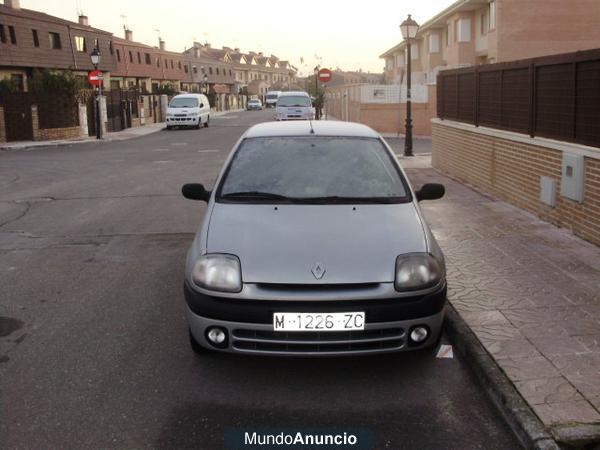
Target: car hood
(283, 243)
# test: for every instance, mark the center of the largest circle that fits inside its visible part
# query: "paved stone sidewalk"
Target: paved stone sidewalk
(529, 291)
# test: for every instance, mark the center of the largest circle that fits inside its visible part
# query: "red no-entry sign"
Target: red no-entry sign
(95, 77)
(325, 75)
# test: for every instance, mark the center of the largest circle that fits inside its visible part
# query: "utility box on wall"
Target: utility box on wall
(572, 179)
(548, 191)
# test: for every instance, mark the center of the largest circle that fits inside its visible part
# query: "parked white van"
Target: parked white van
(188, 110)
(294, 105)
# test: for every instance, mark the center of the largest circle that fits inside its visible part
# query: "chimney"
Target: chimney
(14, 4)
(237, 49)
(161, 44)
(128, 35)
(207, 44)
(83, 20)
(197, 52)
(260, 53)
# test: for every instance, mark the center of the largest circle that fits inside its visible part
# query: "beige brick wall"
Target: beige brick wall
(510, 170)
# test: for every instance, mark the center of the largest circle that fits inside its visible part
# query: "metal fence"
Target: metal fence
(556, 96)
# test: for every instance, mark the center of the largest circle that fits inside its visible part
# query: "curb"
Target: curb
(36, 144)
(522, 420)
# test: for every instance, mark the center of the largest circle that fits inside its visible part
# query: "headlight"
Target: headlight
(417, 271)
(218, 272)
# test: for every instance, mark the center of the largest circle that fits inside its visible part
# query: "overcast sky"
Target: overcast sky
(346, 34)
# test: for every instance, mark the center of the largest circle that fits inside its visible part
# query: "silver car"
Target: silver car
(313, 243)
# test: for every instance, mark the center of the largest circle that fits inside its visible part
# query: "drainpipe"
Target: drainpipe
(71, 45)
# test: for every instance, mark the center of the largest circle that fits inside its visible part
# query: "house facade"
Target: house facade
(472, 32)
(32, 40)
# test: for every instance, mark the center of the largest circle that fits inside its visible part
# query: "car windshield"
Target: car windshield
(253, 101)
(272, 96)
(313, 170)
(293, 100)
(184, 102)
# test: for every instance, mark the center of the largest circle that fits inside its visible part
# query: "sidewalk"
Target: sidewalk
(128, 133)
(530, 292)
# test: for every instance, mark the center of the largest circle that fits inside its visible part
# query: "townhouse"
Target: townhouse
(30, 40)
(472, 32)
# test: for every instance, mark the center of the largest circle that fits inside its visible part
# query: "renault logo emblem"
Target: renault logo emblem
(318, 270)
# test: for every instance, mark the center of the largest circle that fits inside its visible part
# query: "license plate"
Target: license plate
(342, 321)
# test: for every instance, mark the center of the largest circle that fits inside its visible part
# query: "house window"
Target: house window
(230, 72)
(54, 39)
(462, 30)
(210, 70)
(448, 35)
(492, 14)
(13, 36)
(110, 47)
(203, 70)
(166, 66)
(139, 55)
(80, 44)
(434, 43)
(195, 69)
(147, 58)
(185, 69)
(2, 34)
(118, 55)
(17, 79)
(483, 23)
(96, 44)
(130, 56)
(172, 65)
(217, 71)
(36, 40)
(179, 64)
(157, 62)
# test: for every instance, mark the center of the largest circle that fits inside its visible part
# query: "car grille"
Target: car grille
(180, 115)
(318, 342)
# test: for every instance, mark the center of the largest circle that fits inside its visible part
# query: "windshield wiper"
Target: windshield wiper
(254, 195)
(348, 200)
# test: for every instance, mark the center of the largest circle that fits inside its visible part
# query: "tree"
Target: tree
(318, 94)
(64, 83)
(8, 86)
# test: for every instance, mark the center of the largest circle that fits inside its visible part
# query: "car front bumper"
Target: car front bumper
(182, 121)
(249, 326)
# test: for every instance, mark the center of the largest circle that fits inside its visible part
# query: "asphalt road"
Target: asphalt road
(93, 341)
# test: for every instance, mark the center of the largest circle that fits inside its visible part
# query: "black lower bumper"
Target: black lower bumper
(261, 311)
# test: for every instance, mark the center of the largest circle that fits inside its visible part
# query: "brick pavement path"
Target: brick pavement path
(529, 291)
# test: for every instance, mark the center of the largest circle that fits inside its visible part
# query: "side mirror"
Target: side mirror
(430, 191)
(195, 191)
(201, 105)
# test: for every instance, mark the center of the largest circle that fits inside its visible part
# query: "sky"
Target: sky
(349, 35)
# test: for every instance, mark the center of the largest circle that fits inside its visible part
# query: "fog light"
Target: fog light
(217, 336)
(419, 334)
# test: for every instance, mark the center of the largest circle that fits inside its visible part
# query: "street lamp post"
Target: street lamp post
(205, 79)
(96, 57)
(409, 30)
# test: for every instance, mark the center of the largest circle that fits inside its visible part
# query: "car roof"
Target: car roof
(188, 95)
(282, 94)
(304, 127)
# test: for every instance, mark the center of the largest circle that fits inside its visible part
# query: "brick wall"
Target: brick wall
(509, 167)
(51, 134)
(2, 126)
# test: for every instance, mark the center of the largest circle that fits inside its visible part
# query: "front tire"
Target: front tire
(207, 122)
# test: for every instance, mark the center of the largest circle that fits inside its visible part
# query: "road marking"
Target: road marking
(179, 143)
(208, 151)
(445, 351)
(161, 162)
(226, 117)
(160, 150)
